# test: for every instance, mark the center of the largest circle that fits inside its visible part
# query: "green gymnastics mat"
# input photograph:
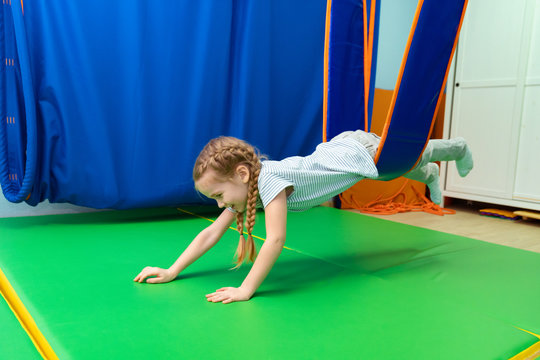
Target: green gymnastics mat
(14, 342)
(348, 286)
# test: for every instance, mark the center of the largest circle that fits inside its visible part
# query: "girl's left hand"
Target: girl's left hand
(228, 295)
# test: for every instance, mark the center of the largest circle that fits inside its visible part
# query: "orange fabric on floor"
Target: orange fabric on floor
(398, 195)
(369, 197)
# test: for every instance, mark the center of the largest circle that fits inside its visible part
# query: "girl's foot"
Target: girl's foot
(433, 184)
(464, 164)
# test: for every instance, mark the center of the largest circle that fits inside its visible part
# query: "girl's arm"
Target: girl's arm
(276, 221)
(205, 240)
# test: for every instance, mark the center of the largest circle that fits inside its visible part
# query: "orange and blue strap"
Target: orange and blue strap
(350, 66)
(420, 85)
(349, 81)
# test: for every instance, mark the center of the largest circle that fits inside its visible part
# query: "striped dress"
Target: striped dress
(332, 168)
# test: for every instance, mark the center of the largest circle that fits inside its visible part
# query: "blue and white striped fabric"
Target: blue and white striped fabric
(331, 169)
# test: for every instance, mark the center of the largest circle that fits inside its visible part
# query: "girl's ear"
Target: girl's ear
(243, 172)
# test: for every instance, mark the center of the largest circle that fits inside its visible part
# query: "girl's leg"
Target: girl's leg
(429, 175)
(441, 150)
(369, 140)
(448, 150)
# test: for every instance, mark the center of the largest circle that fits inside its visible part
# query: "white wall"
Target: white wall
(8, 209)
(395, 23)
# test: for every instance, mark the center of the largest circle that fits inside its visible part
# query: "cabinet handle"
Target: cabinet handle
(457, 84)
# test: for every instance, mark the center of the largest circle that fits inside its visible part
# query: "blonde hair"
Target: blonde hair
(223, 155)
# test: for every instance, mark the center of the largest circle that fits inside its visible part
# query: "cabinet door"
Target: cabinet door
(487, 93)
(527, 183)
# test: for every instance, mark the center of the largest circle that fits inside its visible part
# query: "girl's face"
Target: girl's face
(231, 192)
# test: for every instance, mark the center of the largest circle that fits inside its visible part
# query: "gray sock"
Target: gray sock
(465, 164)
(433, 184)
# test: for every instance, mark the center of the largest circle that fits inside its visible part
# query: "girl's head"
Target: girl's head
(227, 170)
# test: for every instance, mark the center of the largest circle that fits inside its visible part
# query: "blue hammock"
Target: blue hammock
(112, 113)
(106, 104)
(351, 50)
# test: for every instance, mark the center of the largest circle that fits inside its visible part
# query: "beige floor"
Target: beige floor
(523, 234)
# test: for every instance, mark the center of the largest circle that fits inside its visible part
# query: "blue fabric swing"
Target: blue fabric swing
(350, 65)
(107, 104)
(111, 114)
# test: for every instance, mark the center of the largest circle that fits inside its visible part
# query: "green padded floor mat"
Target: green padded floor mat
(350, 286)
(14, 342)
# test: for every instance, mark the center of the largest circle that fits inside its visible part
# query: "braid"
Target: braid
(241, 249)
(253, 190)
(223, 155)
(250, 212)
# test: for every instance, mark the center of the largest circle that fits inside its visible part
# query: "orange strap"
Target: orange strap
(391, 205)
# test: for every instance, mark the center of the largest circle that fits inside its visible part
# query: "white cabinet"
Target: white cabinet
(493, 101)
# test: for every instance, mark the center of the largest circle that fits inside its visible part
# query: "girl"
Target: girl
(233, 173)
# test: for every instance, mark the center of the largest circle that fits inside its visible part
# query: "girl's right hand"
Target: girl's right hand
(154, 275)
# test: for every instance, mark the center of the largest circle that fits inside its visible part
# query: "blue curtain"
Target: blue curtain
(113, 100)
